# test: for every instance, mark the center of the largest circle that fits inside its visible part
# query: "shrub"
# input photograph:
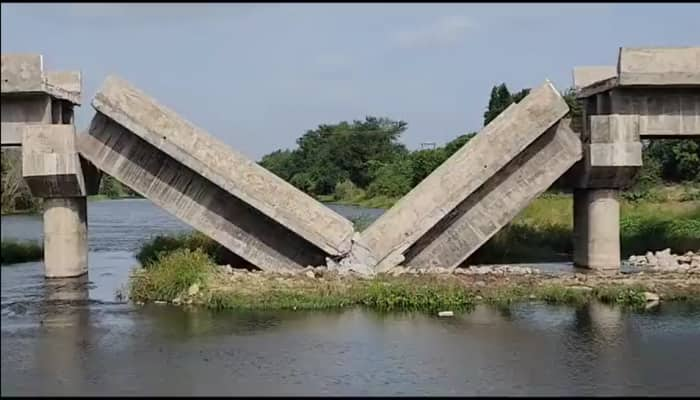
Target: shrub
(170, 274)
(18, 252)
(346, 190)
(163, 244)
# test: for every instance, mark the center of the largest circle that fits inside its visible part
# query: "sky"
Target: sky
(258, 76)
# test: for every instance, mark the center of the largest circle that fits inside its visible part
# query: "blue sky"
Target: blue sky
(259, 75)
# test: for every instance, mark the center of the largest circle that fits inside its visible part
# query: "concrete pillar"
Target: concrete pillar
(597, 229)
(65, 237)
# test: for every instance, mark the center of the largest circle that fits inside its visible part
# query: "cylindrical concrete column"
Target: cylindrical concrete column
(65, 237)
(597, 240)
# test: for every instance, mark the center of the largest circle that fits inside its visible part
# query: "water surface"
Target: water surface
(71, 337)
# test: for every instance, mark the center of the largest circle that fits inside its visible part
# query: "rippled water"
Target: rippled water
(73, 337)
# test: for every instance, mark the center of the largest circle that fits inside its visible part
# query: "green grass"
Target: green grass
(544, 230)
(170, 275)
(17, 252)
(431, 296)
(625, 296)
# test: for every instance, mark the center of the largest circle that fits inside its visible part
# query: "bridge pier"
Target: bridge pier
(597, 228)
(37, 114)
(653, 93)
(65, 237)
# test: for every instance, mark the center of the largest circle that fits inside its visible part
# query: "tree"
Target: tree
(457, 143)
(499, 101)
(333, 153)
(575, 111)
(520, 95)
(423, 162)
(282, 163)
(679, 158)
(392, 179)
(16, 195)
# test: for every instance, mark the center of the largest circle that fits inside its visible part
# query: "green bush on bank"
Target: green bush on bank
(163, 244)
(14, 251)
(170, 275)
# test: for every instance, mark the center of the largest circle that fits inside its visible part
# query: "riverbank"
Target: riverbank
(13, 251)
(192, 278)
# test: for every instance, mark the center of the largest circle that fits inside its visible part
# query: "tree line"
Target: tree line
(367, 155)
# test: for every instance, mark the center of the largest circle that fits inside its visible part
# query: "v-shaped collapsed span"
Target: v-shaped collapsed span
(275, 226)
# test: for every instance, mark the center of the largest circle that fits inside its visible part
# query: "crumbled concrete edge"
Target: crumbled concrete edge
(358, 260)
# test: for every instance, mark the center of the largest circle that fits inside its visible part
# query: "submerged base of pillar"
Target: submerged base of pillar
(65, 237)
(597, 229)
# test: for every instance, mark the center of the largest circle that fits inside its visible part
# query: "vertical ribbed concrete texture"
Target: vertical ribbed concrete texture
(202, 181)
(498, 201)
(453, 182)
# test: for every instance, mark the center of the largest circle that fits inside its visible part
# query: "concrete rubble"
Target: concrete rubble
(664, 261)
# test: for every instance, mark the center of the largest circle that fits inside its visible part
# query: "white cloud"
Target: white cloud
(445, 32)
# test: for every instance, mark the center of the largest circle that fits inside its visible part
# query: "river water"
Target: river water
(77, 337)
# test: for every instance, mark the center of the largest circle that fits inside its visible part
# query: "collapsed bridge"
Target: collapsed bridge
(652, 93)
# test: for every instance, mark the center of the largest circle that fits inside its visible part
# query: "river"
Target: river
(77, 337)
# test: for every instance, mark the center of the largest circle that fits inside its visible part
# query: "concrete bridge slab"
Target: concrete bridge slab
(218, 191)
(453, 182)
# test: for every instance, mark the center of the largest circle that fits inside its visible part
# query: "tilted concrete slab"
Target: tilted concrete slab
(91, 174)
(225, 167)
(586, 76)
(450, 242)
(186, 194)
(50, 163)
(659, 66)
(461, 175)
